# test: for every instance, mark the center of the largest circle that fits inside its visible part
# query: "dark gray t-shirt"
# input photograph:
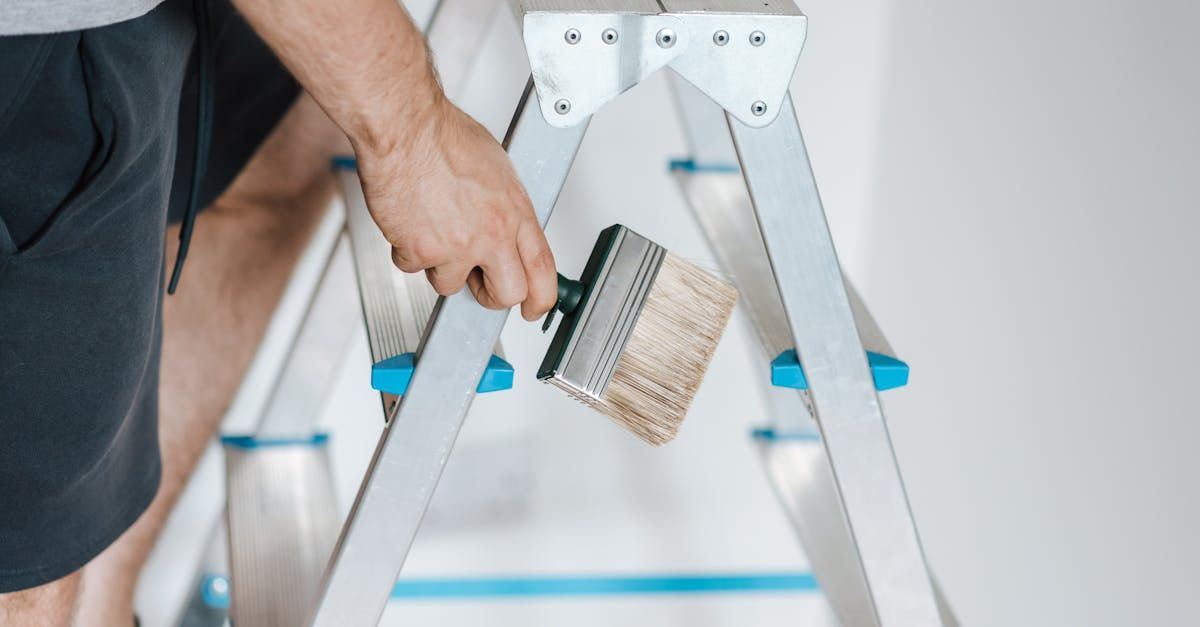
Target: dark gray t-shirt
(25, 17)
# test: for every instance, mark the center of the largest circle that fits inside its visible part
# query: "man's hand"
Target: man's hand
(441, 189)
(448, 201)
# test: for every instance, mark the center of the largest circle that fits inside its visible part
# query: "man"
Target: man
(103, 122)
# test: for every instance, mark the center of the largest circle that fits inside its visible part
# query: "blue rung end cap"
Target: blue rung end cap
(888, 372)
(250, 441)
(498, 376)
(215, 591)
(393, 375)
(691, 165)
(768, 434)
(344, 162)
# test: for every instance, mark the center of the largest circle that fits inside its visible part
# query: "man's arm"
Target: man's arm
(440, 188)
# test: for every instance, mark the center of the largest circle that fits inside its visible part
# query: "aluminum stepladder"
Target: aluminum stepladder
(741, 55)
(874, 585)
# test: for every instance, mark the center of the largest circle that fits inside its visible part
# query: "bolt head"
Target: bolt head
(572, 36)
(758, 38)
(665, 38)
(721, 38)
(562, 106)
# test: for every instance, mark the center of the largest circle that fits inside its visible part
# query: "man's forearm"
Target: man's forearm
(364, 62)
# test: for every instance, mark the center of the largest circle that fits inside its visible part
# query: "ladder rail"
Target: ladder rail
(804, 262)
(416, 443)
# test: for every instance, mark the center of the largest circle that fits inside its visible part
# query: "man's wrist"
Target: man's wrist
(400, 106)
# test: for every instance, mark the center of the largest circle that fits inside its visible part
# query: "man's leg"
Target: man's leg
(242, 254)
(48, 605)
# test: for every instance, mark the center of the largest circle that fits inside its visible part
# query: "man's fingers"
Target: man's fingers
(540, 276)
(501, 282)
(447, 279)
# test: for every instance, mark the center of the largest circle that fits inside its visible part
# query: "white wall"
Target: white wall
(1034, 232)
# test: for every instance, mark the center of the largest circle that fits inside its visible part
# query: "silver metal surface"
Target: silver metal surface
(800, 475)
(454, 33)
(665, 38)
(601, 327)
(792, 222)
(317, 353)
(798, 468)
(747, 71)
(741, 72)
(395, 305)
(591, 71)
(282, 519)
(415, 444)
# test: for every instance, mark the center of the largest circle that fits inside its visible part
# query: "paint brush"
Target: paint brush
(638, 331)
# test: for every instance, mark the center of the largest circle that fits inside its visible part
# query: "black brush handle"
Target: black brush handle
(570, 292)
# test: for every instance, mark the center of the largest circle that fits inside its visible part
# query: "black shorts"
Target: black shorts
(96, 135)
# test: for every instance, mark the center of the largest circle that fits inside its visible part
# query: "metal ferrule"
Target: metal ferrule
(589, 343)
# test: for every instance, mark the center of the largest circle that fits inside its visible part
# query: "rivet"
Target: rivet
(758, 108)
(572, 36)
(757, 38)
(609, 36)
(721, 38)
(562, 106)
(665, 38)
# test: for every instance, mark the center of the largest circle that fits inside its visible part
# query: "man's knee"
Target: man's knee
(48, 605)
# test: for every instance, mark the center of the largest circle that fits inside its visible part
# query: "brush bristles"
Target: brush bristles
(662, 366)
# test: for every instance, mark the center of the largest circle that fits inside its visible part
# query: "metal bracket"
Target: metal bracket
(581, 61)
(583, 53)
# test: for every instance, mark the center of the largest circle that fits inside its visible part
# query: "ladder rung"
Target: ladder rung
(283, 520)
(397, 306)
(393, 374)
(888, 372)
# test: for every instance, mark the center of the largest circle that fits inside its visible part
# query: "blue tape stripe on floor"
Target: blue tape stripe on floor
(250, 441)
(496, 587)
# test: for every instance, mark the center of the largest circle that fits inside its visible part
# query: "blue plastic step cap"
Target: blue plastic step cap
(889, 372)
(252, 441)
(393, 375)
(693, 166)
(344, 162)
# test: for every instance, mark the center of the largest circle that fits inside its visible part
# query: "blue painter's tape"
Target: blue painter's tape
(888, 372)
(691, 165)
(250, 441)
(344, 162)
(393, 375)
(771, 435)
(564, 586)
(215, 591)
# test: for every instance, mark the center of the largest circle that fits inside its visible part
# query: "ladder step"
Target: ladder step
(282, 520)
(393, 374)
(888, 372)
(396, 305)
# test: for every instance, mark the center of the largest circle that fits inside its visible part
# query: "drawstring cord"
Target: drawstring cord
(204, 103)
